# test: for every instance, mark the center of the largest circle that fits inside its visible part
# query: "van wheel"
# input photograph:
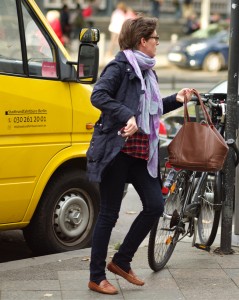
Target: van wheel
(66, 215)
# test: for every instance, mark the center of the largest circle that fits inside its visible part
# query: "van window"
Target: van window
(10, 46)
(29, 52)
(39, 49)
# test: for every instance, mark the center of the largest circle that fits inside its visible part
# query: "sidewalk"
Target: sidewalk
(190, 274)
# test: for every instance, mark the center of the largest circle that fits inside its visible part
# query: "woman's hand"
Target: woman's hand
(184, 92)
(130, 128)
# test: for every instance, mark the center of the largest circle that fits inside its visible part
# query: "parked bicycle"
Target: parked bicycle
(193, 200)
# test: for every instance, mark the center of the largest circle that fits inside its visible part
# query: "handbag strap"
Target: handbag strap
(205, 112)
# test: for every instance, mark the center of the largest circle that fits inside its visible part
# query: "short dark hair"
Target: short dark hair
(134, 29)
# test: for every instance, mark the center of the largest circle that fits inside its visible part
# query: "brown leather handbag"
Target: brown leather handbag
(198, 146)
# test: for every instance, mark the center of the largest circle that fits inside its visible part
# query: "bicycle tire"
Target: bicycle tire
(162, 242)
(209, 217)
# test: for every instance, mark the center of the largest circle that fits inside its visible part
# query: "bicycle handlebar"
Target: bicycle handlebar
(214, 99)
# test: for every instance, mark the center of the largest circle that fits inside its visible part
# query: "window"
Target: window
(10, 45)
(39, 49)
(39, 58)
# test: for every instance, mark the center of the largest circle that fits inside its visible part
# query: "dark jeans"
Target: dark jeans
(124, 169)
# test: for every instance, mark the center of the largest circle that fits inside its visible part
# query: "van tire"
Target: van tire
(65, 217)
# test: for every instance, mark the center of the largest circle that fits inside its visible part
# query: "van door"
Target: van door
(35, 106)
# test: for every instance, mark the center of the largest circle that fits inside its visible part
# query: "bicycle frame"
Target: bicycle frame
(192, 202)
(192, 198)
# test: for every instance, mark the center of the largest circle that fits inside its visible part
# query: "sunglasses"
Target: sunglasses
(154, 37)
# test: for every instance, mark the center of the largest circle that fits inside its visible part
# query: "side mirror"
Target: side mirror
(88, 63)
(88, 56)
(89, 35)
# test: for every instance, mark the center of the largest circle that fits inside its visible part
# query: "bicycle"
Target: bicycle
(193, 200)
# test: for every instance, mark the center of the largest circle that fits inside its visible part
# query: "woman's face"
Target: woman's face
(148, 46)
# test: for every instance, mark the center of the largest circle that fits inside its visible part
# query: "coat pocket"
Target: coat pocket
(97, 145)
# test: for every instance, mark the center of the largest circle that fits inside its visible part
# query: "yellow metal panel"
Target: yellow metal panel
(35, 124)
(34, 106)
(83, 112)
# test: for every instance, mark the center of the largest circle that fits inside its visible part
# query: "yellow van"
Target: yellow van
(46, 123)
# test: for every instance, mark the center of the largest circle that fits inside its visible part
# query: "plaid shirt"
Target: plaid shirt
(137, 145)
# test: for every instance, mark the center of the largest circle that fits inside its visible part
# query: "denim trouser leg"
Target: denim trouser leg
(112, 186)
(149, 191)
(111, 190)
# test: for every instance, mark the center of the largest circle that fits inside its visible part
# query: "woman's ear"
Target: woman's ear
(142, 43)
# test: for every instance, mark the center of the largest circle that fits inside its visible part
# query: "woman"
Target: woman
(124, 147)
(117, 19)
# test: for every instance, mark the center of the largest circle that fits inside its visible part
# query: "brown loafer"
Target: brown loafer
(104, 287)
(131, 277)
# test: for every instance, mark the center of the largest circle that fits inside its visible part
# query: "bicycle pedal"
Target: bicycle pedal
(202, 247)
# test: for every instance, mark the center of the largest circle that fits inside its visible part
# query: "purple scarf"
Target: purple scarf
(150, 105)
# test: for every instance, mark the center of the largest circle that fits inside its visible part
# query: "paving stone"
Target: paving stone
(31, 285)
(31, 295)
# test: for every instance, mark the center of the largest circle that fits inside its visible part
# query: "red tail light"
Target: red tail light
(165, 190)
(162, 128)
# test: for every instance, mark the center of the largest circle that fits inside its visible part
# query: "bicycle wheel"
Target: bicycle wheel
(162, 238)
(211, 196)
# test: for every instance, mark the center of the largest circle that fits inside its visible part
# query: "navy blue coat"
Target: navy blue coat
(116, 94)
